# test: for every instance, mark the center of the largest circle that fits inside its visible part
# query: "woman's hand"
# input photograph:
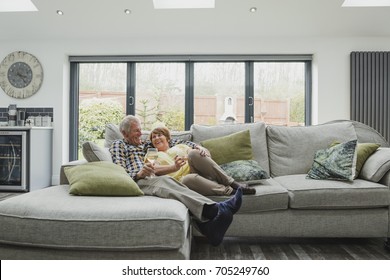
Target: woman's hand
(179, 162)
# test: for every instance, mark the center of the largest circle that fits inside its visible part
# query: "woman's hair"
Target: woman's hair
(160, 130)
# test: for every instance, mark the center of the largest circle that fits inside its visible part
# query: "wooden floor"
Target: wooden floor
(284, 248)
(291, 249)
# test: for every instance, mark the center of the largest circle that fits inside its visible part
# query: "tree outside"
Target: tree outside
(94, 114)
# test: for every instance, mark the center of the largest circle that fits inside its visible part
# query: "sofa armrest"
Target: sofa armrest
(63, 179)
(386, 179)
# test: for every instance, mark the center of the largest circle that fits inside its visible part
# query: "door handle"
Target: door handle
(250, 101)
(131, 100)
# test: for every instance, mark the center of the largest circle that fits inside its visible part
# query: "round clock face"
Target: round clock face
(21, 74)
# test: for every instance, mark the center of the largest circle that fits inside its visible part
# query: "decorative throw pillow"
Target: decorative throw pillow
(364, 151)
(93, 152)
(337, 162)
(101, 178)
(248, 171)
(236, 146)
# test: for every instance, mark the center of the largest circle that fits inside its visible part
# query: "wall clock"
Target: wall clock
(21, 74)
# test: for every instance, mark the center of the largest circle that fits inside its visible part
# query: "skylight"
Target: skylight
(17, 6)
(183, 4)
(366, 3)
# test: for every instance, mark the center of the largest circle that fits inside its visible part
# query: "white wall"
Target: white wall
(331, 80)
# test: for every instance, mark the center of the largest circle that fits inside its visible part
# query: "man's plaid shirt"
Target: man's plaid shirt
(131, 157)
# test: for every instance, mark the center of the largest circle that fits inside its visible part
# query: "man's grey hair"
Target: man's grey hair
(125, 124)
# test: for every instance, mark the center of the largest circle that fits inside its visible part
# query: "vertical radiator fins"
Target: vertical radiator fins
(370, 90)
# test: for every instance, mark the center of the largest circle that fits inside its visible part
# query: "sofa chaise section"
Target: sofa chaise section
(50, 223)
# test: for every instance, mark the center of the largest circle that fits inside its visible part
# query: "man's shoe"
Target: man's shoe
(215, 229)
(233, 203)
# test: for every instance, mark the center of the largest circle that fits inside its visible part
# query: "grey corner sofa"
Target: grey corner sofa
(52, 224)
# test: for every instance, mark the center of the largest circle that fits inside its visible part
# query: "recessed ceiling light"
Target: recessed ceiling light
(59, 12)
(127, 11)
(17, 6)
(183, 4)
(366, 3)
(253, 10)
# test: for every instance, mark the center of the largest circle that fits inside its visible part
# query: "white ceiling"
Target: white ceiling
(85, 19)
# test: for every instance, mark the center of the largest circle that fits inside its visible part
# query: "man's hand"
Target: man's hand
(147, 170)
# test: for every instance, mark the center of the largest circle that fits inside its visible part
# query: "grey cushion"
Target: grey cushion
(270, 195)
(327, 194)
(112, 133)
(292, 149)
(93, 152)
(257, 132)
(376, 166)
(51, 217)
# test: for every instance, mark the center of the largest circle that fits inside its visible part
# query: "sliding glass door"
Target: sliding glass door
(178, 91)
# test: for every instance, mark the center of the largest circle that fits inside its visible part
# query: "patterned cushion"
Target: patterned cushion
(364, 151)
(248, 171)
(337, 162)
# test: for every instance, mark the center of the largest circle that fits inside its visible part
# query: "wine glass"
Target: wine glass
(151, 156)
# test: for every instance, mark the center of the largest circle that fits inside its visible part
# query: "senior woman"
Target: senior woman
(192, 165)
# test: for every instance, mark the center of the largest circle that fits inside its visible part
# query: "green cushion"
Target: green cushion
(248, 171)
(100, 178)
(236, 146)
(337, 162)
(364, 151)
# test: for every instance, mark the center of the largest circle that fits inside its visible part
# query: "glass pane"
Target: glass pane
(219, 91)
(102, 99)
(160, 95)
(11, 159)
(279, 91)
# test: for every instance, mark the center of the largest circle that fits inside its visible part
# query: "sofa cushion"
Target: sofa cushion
(93, 152)
(257, 132)
(248, 171)
(335, 163)
(326, 194)
(270, 196)
(101, 178)
(292, 149)
(111, 134)
(52, 218)
(236, 146)
(376, 166)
